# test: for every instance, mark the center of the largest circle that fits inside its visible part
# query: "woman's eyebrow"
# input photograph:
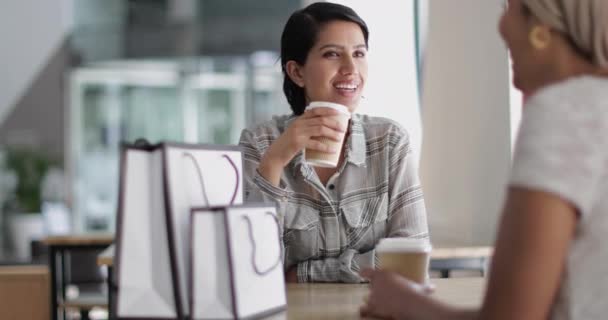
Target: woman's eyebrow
(335, 46)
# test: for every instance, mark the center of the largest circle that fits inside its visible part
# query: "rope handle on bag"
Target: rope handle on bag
(202, 181)
(258, 270)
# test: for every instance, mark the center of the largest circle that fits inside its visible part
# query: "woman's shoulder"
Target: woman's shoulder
(577, 104)
(269, 129)
(584, 91)
(380, 127)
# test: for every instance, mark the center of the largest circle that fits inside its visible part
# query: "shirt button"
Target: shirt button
(332, 187)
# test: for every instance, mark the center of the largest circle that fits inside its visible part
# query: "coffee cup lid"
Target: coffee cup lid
(324, 104)
(403, 245)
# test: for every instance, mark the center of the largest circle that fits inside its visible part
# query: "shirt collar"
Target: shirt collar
(357, 148)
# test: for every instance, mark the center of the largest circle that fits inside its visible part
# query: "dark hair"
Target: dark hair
(300, 35)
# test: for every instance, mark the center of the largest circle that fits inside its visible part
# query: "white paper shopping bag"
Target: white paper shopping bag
(201, 176)
(159, 185)
(236, 266)
(144, 263)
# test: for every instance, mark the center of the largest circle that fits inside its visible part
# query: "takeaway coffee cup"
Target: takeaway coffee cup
(407, 257)
(328, 159)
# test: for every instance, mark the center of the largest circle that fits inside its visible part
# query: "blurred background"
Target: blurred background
(81, 76)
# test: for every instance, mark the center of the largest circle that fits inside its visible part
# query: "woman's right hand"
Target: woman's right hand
(318, 122)
(392, 296)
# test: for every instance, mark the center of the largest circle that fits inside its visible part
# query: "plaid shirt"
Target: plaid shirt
(329, 232)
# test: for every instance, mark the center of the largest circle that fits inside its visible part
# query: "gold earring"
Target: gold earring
(540, 37)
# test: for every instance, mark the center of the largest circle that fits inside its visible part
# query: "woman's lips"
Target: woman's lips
(347, 89)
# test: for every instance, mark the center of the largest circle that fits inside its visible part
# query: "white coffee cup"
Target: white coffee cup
(405, 256)
(328, 159)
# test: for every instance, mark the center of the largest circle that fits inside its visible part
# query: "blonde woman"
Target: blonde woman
(549, 259)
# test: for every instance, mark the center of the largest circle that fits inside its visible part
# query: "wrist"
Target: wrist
(271, 161)
(275, 158)
(271, 168)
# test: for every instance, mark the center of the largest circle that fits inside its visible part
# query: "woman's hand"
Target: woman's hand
(318, 122)
(395, 297)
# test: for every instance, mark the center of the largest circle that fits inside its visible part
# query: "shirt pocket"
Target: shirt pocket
(366, 222)
(301, 236)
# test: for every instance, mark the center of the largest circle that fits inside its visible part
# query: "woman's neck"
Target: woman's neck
(567, 63)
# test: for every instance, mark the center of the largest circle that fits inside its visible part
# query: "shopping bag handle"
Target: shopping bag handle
(257, 269)
(202, 181)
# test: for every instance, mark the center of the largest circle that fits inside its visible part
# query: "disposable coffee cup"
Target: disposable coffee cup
(407, 257)
(328, 159)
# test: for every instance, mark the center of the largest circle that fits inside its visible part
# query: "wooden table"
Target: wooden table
(342, 301)
(106, 258)
(24, 292)
(58, 247)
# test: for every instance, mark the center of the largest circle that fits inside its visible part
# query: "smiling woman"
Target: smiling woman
(332, 217)
(336, 66)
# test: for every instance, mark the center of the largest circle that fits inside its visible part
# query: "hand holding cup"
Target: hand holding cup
(306, 131)
(320, 129)
(328, 158)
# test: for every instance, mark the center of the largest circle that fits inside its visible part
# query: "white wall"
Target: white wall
(30, 32)
(466, 121)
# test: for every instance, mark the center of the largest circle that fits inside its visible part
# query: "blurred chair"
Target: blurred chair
(446, 260)
(39, 252)
(77, 282)
(85, 282)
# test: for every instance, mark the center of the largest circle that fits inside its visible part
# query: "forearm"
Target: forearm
(271, 169)
(269, 163)
(529, 259)
(344, 268)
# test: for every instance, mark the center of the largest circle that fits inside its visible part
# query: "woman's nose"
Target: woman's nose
(348, 66)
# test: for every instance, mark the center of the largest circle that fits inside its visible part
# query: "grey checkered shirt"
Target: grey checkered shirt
(329, 232)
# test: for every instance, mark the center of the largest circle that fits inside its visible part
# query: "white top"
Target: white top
(562, 148)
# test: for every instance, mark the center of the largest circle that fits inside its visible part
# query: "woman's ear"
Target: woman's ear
(294, 71)
(540, 37)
